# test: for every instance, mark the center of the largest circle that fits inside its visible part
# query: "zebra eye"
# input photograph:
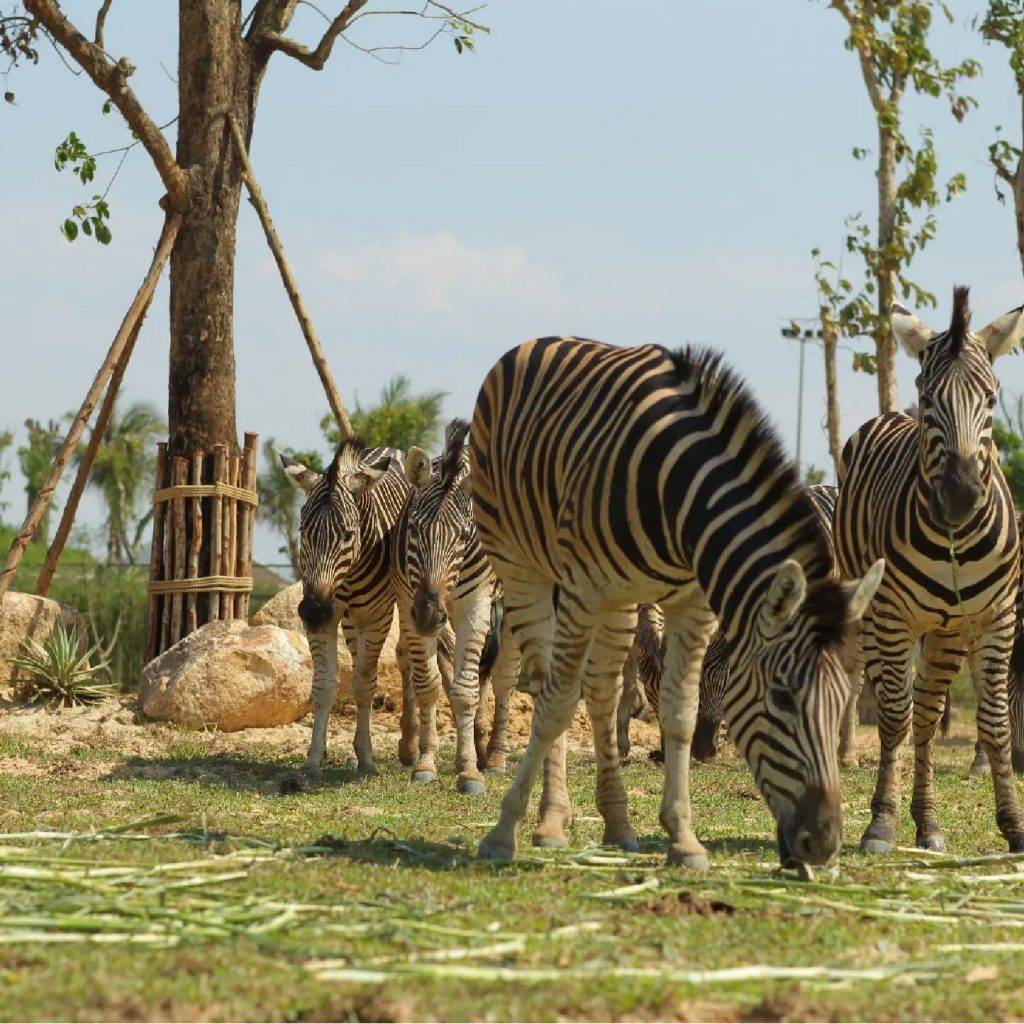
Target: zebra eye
(783, 698)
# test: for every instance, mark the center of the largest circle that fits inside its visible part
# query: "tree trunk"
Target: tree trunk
(1018, 185)
(214, 78)
(832, 422)
(885, 343)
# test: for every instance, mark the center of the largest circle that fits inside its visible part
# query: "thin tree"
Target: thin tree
(279, 500)
(35, 458)
(223, 56)
(6, 440)
(1003, 23)
(891, 41)
(123, 473)
(399, 420)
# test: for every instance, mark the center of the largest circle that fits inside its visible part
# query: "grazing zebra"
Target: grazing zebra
(637, 475)
(641, 685)
(441, 575)
(927, 494)
(345, 564)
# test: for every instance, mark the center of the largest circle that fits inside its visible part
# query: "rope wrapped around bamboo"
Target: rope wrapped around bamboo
(201, 585)
(206, 491)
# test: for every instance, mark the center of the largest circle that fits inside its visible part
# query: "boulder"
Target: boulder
(25, 616)
(232, 676)
(282, 610)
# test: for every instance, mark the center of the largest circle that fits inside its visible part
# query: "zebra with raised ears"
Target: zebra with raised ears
(442, 577)
(927, 494)
(345, 564)
(637, 475)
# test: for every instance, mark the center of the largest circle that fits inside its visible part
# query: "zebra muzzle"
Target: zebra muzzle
(816, 829)
(315, 610)
(428, 614)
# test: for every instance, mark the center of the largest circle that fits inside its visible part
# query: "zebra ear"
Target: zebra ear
(299, 476)
(1003, 334)
(860, 592)
(785, 595)
(366, 476)
(418, 467)
(911, 333)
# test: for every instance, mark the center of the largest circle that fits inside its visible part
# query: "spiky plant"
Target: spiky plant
(58, 673)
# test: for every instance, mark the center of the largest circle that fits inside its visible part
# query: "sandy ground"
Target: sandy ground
(116, 725)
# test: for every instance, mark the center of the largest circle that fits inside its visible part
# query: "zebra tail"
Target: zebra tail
(947, 715)
(492, 642)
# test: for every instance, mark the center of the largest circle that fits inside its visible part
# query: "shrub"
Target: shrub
(59, 671)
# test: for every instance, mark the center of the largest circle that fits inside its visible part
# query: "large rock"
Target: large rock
(282, 610)
(25, 616)
(232, 676)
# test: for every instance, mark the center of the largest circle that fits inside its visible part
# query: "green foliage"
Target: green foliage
(399, 420)
(6, 440)
(1008, 434)
(59, 671)
(35, 459)
(91, 218)
(1003, 23)
(280, 501)
(891, 40)
(123, 474)
(813, 475)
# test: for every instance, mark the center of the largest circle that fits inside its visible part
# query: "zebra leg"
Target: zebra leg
(988, 663)
(473, 619)
(941, 656)
(555, 813)
(528, 609)
(364, 685)
(688, 628)
(407, 740)
(848, 727)
(426, 677)
(887, 666)
(480, 726)
(1015, 696)
(602, 688)
(323, 646)
(503, 680)
(627, 702)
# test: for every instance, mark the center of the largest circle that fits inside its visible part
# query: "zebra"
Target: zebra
(639, 475)
(441, 574)
(647, 653)
(927, 494)
(345, 564)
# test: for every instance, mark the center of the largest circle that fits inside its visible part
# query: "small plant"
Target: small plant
(58, 673)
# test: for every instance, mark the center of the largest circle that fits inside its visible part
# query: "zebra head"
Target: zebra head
(956, 394)
(786, 694)
(440, 525)
(331, 524)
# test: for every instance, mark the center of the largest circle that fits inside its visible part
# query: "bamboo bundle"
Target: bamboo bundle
(201, 566)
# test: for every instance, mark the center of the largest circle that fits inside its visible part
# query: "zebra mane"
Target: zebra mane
(451, 458)
(351, 448)
(719, 386)
(960, 322)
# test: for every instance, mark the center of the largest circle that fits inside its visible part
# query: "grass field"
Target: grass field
(373, 907)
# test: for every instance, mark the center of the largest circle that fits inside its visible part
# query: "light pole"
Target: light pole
(793, 331)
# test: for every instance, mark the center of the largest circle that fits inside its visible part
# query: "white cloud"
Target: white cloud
(442, 276)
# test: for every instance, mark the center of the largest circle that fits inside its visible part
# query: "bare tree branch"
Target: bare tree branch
(101, 22)
(112, 79)
(317, 57)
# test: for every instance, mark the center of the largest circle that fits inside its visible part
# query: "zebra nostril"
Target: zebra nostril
(315, 611)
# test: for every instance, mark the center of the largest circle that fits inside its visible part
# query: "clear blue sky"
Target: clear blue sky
(652, 172)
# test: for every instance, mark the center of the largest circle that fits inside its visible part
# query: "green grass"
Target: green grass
(398, 869)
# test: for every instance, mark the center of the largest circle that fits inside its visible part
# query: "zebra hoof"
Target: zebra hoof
(496, 850)
(881, 846)
(981, 768)
(549, 842)
(406, 760)
(471, 787)
(424, 776)
(689, 859)
(849, 761)
(629, 845)
(1016, 843)
(935, 842)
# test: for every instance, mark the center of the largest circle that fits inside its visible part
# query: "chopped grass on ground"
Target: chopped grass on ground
(184, 885)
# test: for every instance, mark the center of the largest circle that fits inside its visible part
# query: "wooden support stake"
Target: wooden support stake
(179, 477)
(230, 537)
(67, 518)
(78, 424)
(154, 621)
(220, 458)
(290, 284)
(246, 516)
(195, 541)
